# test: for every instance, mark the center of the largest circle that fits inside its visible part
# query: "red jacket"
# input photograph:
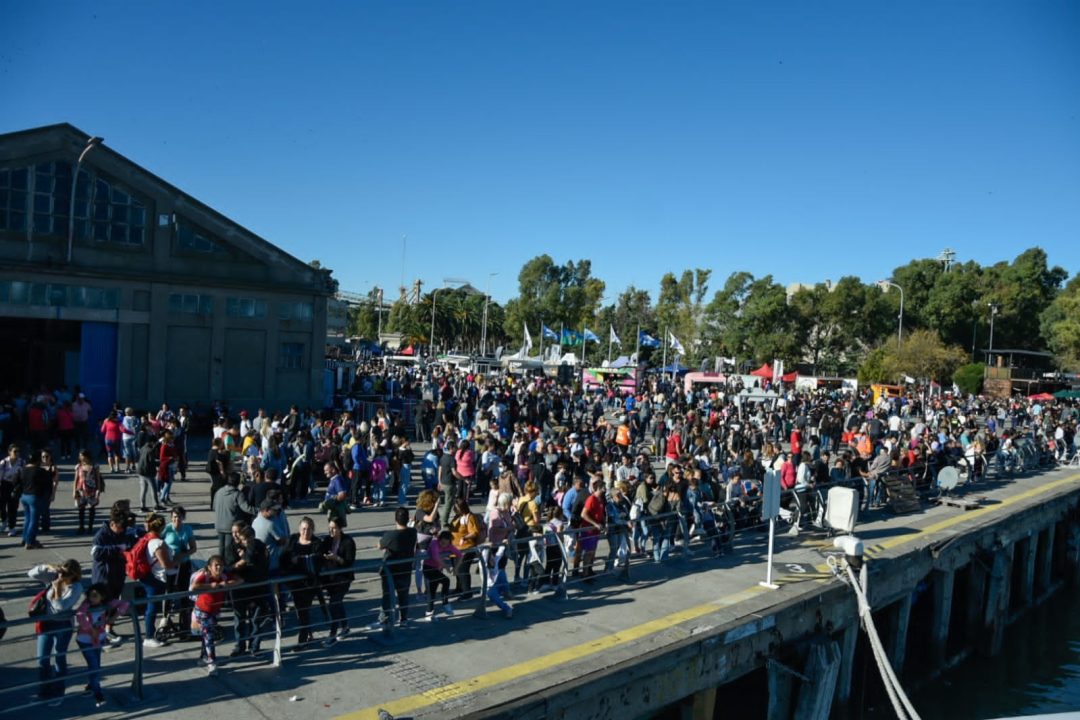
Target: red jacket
(166, 458)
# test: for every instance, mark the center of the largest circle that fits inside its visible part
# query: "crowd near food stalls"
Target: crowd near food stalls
(622, 379)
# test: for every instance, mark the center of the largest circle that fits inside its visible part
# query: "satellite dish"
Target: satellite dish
(948, 478)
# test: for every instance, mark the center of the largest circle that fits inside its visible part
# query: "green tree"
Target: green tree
(557, 295)
(922, 355)
(1060, 325)
(679, 307)
(750, 319)
(1022, 290)
(363, 321)
(969, 378)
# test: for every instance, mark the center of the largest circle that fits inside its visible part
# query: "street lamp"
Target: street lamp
(90, 145)
(993, 312)
(884, 284)
(378, 309)
(487, 299)
(431, 336)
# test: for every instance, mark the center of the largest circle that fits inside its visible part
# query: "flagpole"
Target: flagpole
(541, 339)
(609, 331)
(637, 348)
(663, 362)
(584, 348)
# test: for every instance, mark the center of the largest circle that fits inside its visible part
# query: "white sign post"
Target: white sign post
(770, 510)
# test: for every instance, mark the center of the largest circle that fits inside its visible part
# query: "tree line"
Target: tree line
(840, 328)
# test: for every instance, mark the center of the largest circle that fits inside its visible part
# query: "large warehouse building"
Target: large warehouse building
(140, 293)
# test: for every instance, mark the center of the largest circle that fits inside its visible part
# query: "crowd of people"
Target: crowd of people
(520, 480)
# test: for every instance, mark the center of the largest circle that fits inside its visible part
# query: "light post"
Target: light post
(483, 332)
(90, 145)
(378, 308)
(431, 337)
(900, 327)
(446, 284)
(993, 312)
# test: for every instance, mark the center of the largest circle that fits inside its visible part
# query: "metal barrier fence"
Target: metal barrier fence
(548, 561)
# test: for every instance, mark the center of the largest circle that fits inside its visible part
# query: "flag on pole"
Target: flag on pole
(528, 339)
(675, 344)
(647, 340)
(548, 333)
(590, 336)
(570, 337)
(612, 337)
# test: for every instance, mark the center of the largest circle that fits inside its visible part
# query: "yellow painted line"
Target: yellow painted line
(412, 703)
(969, 515)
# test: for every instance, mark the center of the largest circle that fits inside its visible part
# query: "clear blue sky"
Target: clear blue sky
(809, 140)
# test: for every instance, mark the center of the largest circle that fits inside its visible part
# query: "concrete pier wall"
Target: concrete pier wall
(950, 594)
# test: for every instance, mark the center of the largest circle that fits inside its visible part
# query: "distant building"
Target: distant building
(161, 299)
(793, 288)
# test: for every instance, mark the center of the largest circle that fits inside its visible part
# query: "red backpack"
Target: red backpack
(136, 561)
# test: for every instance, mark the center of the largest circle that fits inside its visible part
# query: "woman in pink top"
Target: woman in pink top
(65, 426)
(465, 468)
(113, 432)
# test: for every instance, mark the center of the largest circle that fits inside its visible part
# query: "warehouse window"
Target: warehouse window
(295, 311)
(191, 239)
(191, 304)
(292, 356)
(245, 307)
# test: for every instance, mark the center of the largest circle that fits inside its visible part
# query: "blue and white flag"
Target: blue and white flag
(647, 340)
(548, 333)
(590, 336)
(528, 339)
(675, 344)
(612, 337)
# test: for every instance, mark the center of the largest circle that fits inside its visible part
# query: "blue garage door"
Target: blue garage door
(97, 365)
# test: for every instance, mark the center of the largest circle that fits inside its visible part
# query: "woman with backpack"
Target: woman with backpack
(54, 628)
(89, 485)
(149, 562)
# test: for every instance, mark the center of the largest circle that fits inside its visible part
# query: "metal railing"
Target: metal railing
(548, 560)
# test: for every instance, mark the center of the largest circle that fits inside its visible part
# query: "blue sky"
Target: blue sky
(806, 140)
